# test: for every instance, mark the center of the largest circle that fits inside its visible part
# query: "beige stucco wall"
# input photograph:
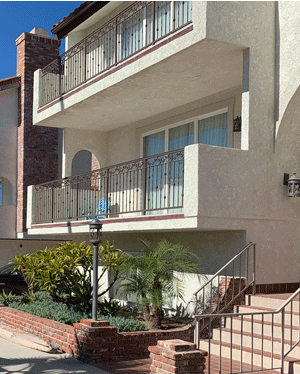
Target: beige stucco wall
(124, 144)
(9, 248)
(8, 159)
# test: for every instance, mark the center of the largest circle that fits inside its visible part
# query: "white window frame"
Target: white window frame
(189, 120)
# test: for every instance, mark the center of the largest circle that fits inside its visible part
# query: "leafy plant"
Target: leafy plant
(109, 307)
(125, 324)
(66, 271)
(152, 276)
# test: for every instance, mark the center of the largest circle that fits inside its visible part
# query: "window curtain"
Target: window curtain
(131, 34)
(179, 137)
(162, 18)
(183, 12)
(155, 172)
(213, 130)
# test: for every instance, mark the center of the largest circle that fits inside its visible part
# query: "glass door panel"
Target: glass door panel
(213, 130)
(155, 172)
(179, 137)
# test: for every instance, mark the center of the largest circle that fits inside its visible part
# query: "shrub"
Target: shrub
(66, 271)
(125, 324)
(42, 305)
(109, 308)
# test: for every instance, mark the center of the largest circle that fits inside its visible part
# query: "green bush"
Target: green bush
(42, 305)
(109, 308)
(125, 324)
(66, 271)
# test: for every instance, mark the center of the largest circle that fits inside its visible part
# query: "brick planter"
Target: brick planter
(91, 341)
(176, 356)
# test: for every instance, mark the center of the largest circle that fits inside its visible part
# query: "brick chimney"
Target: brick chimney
(37, 145)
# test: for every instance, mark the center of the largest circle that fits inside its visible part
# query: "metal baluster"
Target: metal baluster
(209, 345)
(254, 274)
(220, 354)
(291, 324)
(252, 342)
(231, 327)
(272, 337)
(262, 341)
(282, 340)
(242, 325)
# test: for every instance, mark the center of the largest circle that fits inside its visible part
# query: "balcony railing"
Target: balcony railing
(140, 25)
(151, 185)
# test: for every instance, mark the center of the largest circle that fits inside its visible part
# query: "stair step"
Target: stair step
(259, 328)
(277, 317)
(226, 368)
(246, 340)
(249, 356)
(271, 301)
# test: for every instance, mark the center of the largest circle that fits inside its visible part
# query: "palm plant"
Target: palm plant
(153, 277)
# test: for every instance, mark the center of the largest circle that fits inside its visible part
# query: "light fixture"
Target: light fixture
(95, 239)
(237, 124)
(293, 183)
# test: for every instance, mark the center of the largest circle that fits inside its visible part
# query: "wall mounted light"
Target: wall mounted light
(293, 183)
(237, 124)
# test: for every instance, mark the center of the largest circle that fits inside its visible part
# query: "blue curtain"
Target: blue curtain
(213, 130)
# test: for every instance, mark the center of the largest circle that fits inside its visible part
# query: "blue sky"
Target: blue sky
(22, 16)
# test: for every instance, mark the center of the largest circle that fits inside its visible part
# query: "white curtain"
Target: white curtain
(183, 12)
(155, 185)
(162, 18)
(179, 137)
(213, 130)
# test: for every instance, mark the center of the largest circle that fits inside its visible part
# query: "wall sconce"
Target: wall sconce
(237, 124)
(293, 183)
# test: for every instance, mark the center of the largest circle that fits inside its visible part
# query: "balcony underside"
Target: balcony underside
(201, 70)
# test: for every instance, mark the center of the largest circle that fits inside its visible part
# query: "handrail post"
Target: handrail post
(59, 75)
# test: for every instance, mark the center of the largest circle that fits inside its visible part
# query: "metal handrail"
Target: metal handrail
(229, 316)
(149, 184)
(109, 45)
(225, 269)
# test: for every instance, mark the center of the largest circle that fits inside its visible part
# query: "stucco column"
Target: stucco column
(191, 181)
(245, 101)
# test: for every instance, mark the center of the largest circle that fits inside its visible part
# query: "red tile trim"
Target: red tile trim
(113, 70)
(111, 220)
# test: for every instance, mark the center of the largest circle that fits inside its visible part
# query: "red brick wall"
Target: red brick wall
(84, 337)
(37, 146)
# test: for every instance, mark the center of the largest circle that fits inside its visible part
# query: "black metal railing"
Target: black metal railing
(149, 185)
(139, 26)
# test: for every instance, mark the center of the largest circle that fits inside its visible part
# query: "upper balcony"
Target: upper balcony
(145, 53)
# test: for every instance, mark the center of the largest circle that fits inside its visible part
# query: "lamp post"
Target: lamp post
(95, 239)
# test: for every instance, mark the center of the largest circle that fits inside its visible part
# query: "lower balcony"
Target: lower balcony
(143, 187)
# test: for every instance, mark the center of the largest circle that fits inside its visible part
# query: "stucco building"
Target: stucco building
(191, 111)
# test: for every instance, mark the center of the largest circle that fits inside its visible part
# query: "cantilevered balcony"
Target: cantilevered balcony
(152, 185)
(138, 27)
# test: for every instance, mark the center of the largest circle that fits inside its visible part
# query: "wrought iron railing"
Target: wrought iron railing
(250, 342)
(140, 25)
(149, 185)
(235, 277)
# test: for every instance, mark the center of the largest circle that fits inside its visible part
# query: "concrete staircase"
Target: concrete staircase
(251, 342)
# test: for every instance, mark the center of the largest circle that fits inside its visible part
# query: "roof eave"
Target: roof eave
(75, 18)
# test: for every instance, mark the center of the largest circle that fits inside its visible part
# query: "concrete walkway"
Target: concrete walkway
(17, 359)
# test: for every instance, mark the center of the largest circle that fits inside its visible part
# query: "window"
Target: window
(211, 129)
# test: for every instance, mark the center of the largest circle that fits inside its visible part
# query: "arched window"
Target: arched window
(83, 162)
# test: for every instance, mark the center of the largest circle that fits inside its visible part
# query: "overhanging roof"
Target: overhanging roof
(74, 19)
(10, 82)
